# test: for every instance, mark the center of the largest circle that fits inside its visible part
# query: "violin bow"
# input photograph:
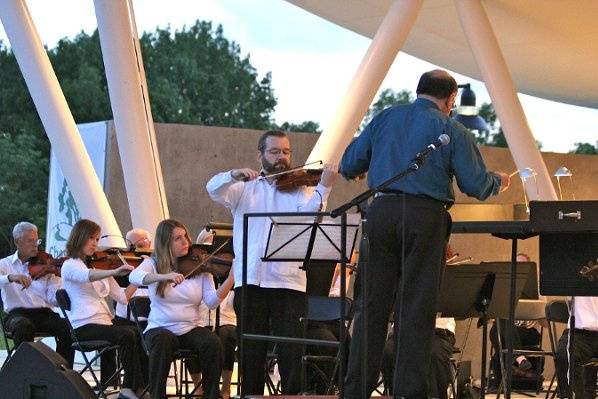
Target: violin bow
(284, 172)
(210, 256)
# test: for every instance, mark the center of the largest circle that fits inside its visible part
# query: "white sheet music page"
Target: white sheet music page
(289, 238)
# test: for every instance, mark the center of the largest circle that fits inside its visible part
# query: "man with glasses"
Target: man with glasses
(276, 290)
(28, 302)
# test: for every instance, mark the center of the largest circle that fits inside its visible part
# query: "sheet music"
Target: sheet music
(289, 238)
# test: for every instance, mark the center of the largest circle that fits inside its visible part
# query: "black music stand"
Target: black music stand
(460, 293)
(302, 237)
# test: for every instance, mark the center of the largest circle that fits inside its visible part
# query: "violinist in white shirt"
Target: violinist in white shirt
(174, 319)
(276, 290)
(28, 301)
(90, 315)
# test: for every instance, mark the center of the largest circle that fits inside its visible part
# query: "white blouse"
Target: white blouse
(88, 299)
(178, 311)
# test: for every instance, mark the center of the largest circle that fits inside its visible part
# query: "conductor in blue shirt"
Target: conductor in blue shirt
(408, 225)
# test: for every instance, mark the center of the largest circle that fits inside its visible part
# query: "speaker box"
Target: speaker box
(35, 371)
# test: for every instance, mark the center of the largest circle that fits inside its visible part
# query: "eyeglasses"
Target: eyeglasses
(278, 151)
(36, 242)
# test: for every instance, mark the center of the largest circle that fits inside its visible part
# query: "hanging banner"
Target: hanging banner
(62, 209)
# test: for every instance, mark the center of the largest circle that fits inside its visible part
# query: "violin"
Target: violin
(198, 261)
(113, 258)
(296, 177)
(43, 264)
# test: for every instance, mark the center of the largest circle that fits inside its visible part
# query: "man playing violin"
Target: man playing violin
(276, 290)
(27, 301)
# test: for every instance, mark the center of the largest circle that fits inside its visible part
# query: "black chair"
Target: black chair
(532, 310)
(140, 307)
(85, 347)
(7, 335)
(324, 310)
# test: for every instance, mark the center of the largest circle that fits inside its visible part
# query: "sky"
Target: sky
(311, 60)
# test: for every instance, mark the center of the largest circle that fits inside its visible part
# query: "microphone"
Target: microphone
(442, 140)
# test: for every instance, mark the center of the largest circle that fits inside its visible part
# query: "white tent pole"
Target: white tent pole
(57, 119)
(503, 93)
(389, 39)
(132, 113)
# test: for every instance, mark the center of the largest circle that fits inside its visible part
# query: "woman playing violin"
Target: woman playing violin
(89, 314)
(174, 319)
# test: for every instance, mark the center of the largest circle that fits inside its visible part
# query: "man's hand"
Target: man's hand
(329, 174)
(244, 174)
(22, 279)
(505, 181)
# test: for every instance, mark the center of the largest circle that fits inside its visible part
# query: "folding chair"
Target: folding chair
(324, 309)
(527, 309)
(140, 308)
(98, 346)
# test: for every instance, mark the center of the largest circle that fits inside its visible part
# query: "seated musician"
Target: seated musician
(275, 291)
(174, 319)
(585, 347)
(90, 316)
(526, 334)
(27, 301)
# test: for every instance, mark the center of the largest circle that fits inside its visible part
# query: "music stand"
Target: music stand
(467, 280)
(322, 237)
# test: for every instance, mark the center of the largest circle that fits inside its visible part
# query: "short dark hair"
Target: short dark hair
(261, 144)
(82, 231)
(437, 83)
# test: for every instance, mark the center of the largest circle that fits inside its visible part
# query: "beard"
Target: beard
(278, 166)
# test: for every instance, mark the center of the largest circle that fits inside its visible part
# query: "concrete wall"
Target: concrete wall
(190, 155)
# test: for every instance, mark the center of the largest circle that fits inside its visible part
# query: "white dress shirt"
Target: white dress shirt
(178, 310)
(40, 294)
(227, 313)
(260, 195)
(88, 299)
(586, 312)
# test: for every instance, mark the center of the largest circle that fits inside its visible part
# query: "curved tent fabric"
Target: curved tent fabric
(550, 46)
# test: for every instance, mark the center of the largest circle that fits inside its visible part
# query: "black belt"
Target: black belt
(396, 193)
(591, 333)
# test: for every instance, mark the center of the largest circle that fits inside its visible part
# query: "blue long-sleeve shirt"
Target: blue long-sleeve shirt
(391, 140)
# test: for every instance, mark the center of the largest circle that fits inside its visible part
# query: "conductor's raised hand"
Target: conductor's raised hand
(244, 174)
(505, 180)
(329, 174)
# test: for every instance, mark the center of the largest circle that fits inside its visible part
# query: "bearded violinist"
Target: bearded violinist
(275, 291)
(27, 301)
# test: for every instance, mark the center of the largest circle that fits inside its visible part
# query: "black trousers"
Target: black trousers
(440, 373)
(279, 311)
(228, 337)
(163, 344)
(416, 229)
(585, 347)
(108, 359)
(23, 323)
(130, 350)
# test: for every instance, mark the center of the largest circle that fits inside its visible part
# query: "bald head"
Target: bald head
(437, 83)
(139, 239)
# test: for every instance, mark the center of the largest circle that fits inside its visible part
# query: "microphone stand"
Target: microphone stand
(364, 249)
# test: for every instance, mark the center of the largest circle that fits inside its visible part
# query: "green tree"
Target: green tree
(387, 98)
(303, 127)
(585, 148)
(194, 76)
(495, 136)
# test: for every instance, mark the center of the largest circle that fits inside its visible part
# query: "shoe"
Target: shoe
(524, 365)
